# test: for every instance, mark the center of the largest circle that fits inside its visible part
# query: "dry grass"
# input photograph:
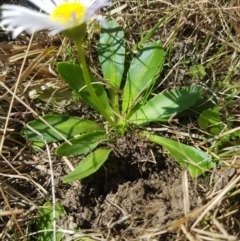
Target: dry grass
(204, 32)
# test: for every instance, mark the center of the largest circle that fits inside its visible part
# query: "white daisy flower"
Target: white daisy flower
(58, 15)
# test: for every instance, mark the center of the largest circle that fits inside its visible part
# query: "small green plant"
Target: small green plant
(197, 71)
(44, 222)
(126, 104)
(219, 124)
(70, 55)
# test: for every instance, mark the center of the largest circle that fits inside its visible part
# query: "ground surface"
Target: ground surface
(141, 193)
(128, 204)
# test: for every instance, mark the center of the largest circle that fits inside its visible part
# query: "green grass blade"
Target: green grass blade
(149, 34)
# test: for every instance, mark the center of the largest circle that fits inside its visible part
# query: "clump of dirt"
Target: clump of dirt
(134, 193)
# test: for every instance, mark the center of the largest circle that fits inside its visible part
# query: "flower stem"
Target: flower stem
(89, 84)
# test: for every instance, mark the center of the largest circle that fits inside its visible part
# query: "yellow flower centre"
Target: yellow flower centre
(69, 13)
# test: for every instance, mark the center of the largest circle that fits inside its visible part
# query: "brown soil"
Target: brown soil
(130, 197)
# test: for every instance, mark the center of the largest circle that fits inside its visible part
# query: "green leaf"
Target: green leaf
(111, 53)
(197, 71)
(52, 95)
(203, 103)
(209, 117)
(81, 144)
(218, 129)
(56, 96)
(195, 160)
(68, 126)
(44, 221)
(165, 105)
(143, 71)
(73, 76)
(88, 165)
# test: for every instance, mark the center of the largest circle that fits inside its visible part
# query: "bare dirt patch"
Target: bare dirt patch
(131, 196)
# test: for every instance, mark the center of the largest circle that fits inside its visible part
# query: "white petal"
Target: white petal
(102, 21)
(46, 5)
(21, 18)
(55, 31)
(86, 3)
(58, 2)
(16, 32)
(95, 6)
